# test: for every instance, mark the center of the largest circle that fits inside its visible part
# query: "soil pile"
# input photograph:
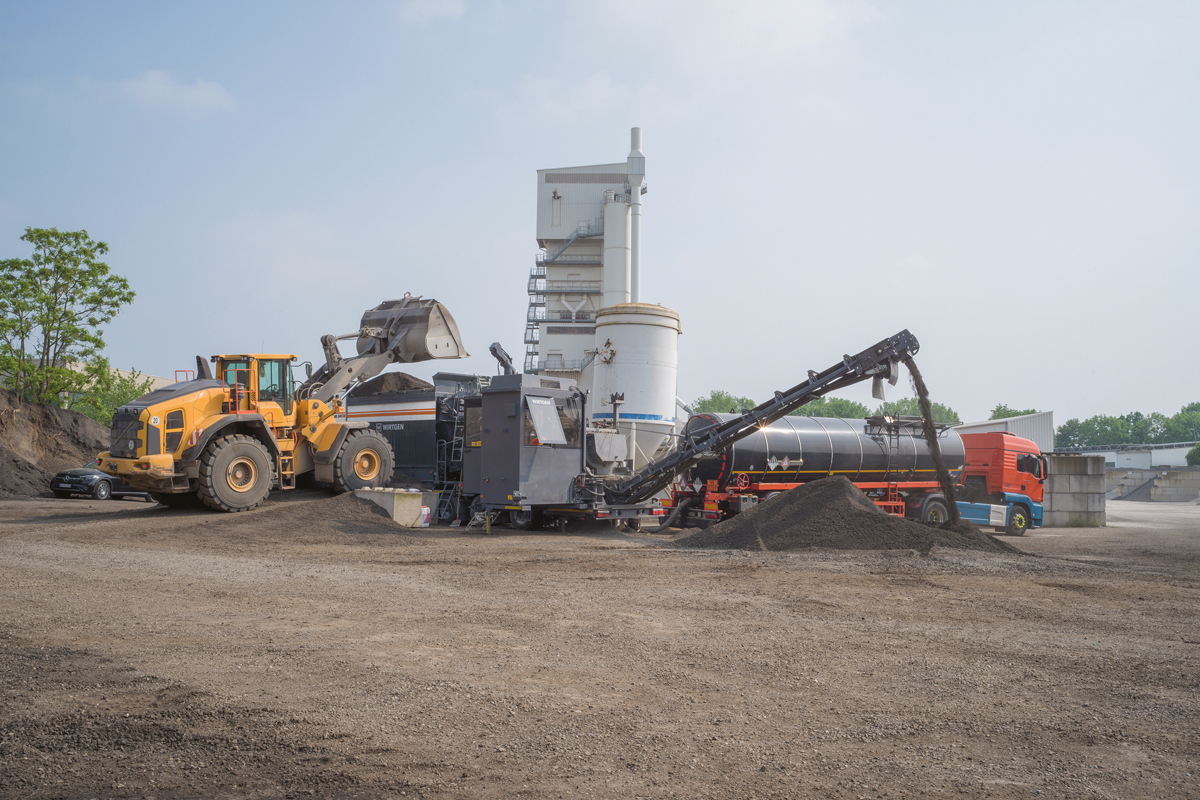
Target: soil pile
(832, 513)
(38, 440)
(313, 517)
(390, 383)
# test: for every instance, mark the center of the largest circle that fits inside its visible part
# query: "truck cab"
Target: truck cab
(1004, 481)
(1004, 462)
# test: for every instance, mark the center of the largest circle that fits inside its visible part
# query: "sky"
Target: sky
(1016, 183)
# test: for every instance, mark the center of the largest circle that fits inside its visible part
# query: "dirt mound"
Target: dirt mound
(346, 513)
(38, 440)
(390, 383)
(832, 513)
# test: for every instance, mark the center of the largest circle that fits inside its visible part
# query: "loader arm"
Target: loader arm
(396, 331)
(879, 361)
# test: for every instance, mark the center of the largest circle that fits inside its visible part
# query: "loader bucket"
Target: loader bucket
(413, 328)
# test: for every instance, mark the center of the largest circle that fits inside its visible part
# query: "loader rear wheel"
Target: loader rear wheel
(365, 461)
(235, 474)
(176, 500)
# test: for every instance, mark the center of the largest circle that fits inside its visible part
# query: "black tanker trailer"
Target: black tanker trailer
(886, 457)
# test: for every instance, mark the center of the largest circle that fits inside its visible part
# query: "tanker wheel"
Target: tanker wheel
(364, 462)
(1018, 521)
(771, 496)
(530, 520)
(176, 500)
(235, 474)
(935, 511)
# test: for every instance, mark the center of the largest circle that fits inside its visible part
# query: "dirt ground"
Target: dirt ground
(155, 653)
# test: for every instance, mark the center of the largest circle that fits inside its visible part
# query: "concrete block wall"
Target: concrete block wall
(1170, 485)
(1075, 488)
(1176, 486)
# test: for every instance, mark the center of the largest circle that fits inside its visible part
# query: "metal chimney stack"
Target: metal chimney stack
(636, 170)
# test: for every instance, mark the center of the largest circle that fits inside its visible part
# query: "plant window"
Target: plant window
(543, 415)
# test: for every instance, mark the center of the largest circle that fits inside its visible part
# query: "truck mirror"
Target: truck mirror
(307, 369)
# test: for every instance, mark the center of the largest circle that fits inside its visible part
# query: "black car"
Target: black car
(92, 482)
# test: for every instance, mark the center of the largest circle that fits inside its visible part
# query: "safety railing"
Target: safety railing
(573, 287)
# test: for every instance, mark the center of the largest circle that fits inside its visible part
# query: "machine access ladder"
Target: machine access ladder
(449, 468)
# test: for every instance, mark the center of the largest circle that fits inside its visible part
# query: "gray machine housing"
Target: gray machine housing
(506, 468)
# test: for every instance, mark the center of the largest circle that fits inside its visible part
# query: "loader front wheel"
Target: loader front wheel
(235, 474)
(365, 461)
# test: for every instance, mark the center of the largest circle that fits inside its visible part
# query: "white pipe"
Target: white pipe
(635, 245)
(636, 171)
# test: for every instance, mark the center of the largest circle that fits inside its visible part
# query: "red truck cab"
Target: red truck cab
(1000, 462)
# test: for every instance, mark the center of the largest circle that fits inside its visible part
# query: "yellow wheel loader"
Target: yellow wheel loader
(242, 428)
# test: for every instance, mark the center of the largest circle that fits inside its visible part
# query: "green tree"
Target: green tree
(1146, 429)
(910, 407)
(1069, 434)
(51, 308)
(1184, 426)
(1002, 411)
(832, 407)
(108, 391)
(1193, 456)
(721, 402)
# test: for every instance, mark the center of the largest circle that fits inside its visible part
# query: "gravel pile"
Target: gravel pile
(390, 383)
(38, 440)
(832, 513)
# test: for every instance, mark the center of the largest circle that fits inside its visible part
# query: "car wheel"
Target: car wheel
(103, 490)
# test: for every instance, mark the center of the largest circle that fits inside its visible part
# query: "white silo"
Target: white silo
(637, 355)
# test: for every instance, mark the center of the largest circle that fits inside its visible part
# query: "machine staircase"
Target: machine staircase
(449, 467)
(537, 287)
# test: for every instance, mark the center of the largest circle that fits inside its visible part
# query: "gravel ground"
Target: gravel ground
(147, 652)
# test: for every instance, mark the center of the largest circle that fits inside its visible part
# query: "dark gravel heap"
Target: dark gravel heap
(38, 440)
(832, 513)
(390, 383)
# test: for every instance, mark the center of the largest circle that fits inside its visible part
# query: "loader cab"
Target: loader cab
(258, 383)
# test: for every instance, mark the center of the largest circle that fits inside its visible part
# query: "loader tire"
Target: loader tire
(364, 462)
(235, 474)
(176, 499)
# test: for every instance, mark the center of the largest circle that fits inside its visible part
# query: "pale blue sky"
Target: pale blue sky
(1017, 183)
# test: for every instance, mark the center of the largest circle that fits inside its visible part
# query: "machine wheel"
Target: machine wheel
(365, 461)
(530, 520)
(935, 511)
(61, 494)
(235, 474)
(103, 490)
(1018, 521)
(176, 500)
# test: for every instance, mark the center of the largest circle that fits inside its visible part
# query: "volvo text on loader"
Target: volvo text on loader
(239, 430)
